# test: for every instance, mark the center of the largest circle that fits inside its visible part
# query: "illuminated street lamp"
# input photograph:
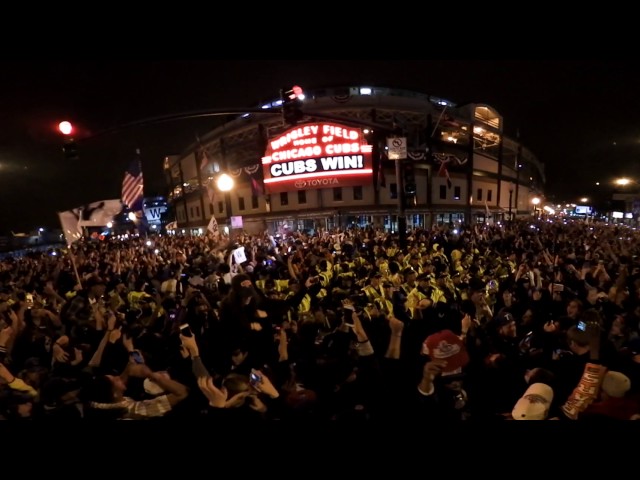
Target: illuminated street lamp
(584, 199)
(622, 181)
(536, 202)
(225, 183)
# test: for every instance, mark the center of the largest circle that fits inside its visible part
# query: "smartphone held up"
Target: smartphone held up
(185, 330)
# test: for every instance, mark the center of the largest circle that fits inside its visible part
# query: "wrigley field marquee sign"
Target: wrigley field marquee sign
(317, 155)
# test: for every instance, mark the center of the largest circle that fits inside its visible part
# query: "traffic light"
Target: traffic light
(409, 179)
(69, 147)
(292, 105)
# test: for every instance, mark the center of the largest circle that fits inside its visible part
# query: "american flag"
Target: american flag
(132, 185)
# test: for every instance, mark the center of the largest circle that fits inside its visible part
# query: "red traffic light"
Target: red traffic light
(65, 128)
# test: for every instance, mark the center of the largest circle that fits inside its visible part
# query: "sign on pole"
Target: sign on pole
(397, 148)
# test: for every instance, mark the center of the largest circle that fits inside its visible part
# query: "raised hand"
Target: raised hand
(59, 355)
(433, 368)
(217, 397)
(5, 335)
(264, 385)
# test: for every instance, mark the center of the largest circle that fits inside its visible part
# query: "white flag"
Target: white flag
(213, 226)
(98, 214)
(70, 226)
(239, 256)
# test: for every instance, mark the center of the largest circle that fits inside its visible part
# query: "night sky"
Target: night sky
(578, 117)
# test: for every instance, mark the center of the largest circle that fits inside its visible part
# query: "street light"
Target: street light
(584, 199)
(510, 200)
(622, 181)
(225, 183)
(536, 202)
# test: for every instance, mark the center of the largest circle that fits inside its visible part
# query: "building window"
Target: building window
(489, 195)
(443, 192)
(240, 203)
(254, 202)
(191, 212)
(198, 212)
(337, 194)
(357, 193)
(456, 193)
(220, 207)
(393, 190)
(211, 209)
(284, 198)
(480, 195)
(302, 197)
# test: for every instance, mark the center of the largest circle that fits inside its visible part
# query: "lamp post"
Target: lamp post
(630, 194)
(623, 182)
(510, 200)
(536, 202)
(225, 184)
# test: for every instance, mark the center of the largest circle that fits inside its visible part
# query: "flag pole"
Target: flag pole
(71, 234)
(435, 127)
(73, 263)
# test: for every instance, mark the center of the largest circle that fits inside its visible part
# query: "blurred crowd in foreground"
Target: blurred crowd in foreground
(526, 321)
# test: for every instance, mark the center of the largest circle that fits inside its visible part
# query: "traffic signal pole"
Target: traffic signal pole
(402, 219)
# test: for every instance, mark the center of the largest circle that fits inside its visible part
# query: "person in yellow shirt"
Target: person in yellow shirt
(421, 296)
(373, 291)
(385, 302)
(409, 280)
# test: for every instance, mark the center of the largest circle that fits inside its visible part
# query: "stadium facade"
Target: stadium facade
(336, 166)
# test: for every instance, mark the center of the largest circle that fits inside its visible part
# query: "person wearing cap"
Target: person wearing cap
(409, 283)
(503, 365)
(425, 262)
(535, 404)
(441, 391)
(440, 255)
(421, 297)
(414, 262)
(385, 302)
(373, 291)
(442, 292)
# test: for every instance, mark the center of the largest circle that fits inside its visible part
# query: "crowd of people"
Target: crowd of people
(533, 320)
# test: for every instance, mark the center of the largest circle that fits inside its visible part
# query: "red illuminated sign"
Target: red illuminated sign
(317, 155)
